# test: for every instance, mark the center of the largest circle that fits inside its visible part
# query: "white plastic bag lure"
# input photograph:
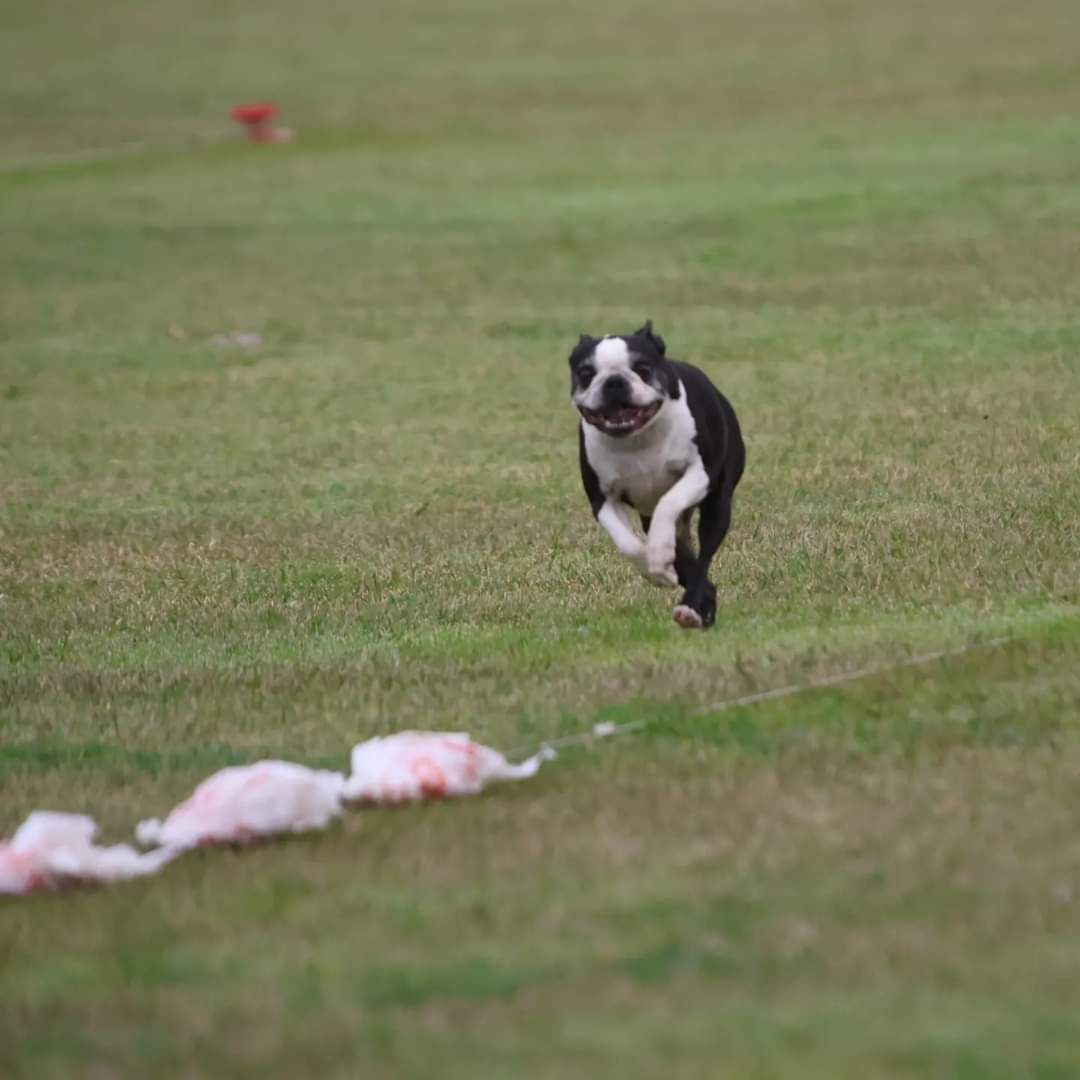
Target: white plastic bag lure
(51, 849)
(415, 765)
(245, 802)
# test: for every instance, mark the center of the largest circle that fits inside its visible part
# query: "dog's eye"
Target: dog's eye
(585, 375)
(643, 372)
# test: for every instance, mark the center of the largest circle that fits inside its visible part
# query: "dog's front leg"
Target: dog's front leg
(687, 492)
(615, 518)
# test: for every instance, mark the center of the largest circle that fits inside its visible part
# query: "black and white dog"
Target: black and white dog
(657, 437)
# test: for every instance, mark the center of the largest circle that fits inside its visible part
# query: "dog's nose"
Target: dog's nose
(616, 391)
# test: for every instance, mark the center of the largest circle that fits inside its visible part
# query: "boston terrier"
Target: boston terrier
(657, 437)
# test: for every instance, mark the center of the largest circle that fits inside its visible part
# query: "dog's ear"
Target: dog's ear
(658, 342)
(586, 344)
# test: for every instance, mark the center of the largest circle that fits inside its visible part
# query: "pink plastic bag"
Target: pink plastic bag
(414, 765)
(245, 802)
(51, 849)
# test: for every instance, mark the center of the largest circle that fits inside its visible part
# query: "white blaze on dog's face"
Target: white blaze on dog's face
(619, 384)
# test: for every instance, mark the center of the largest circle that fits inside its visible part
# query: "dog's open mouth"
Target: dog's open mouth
(621, 419)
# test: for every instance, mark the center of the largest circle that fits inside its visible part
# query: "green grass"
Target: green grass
(861, 219)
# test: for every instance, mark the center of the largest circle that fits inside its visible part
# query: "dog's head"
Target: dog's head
(619, 383)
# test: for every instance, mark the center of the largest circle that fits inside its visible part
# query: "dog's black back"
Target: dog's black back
(719, 437)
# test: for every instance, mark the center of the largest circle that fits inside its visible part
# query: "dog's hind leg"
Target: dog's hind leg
(685, 559)
(697, 608)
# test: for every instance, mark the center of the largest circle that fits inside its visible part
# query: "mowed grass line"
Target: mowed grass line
(861, 220)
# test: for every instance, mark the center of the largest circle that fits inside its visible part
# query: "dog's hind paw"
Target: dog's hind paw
(687, 617)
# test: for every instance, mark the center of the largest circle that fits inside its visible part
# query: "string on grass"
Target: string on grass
(608, 729)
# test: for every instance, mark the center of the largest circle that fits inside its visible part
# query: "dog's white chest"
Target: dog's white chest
(640, 469)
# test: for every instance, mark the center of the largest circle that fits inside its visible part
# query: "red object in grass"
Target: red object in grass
(257, 118)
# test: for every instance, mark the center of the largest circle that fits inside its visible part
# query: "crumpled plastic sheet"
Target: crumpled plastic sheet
(246, 802)
(415, 765)
(51, 849)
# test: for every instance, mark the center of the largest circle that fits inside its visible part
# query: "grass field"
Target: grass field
(863, 219)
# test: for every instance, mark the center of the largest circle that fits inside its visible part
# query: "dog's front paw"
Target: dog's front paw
(661, 572)
(661, 577)
(660, 565)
